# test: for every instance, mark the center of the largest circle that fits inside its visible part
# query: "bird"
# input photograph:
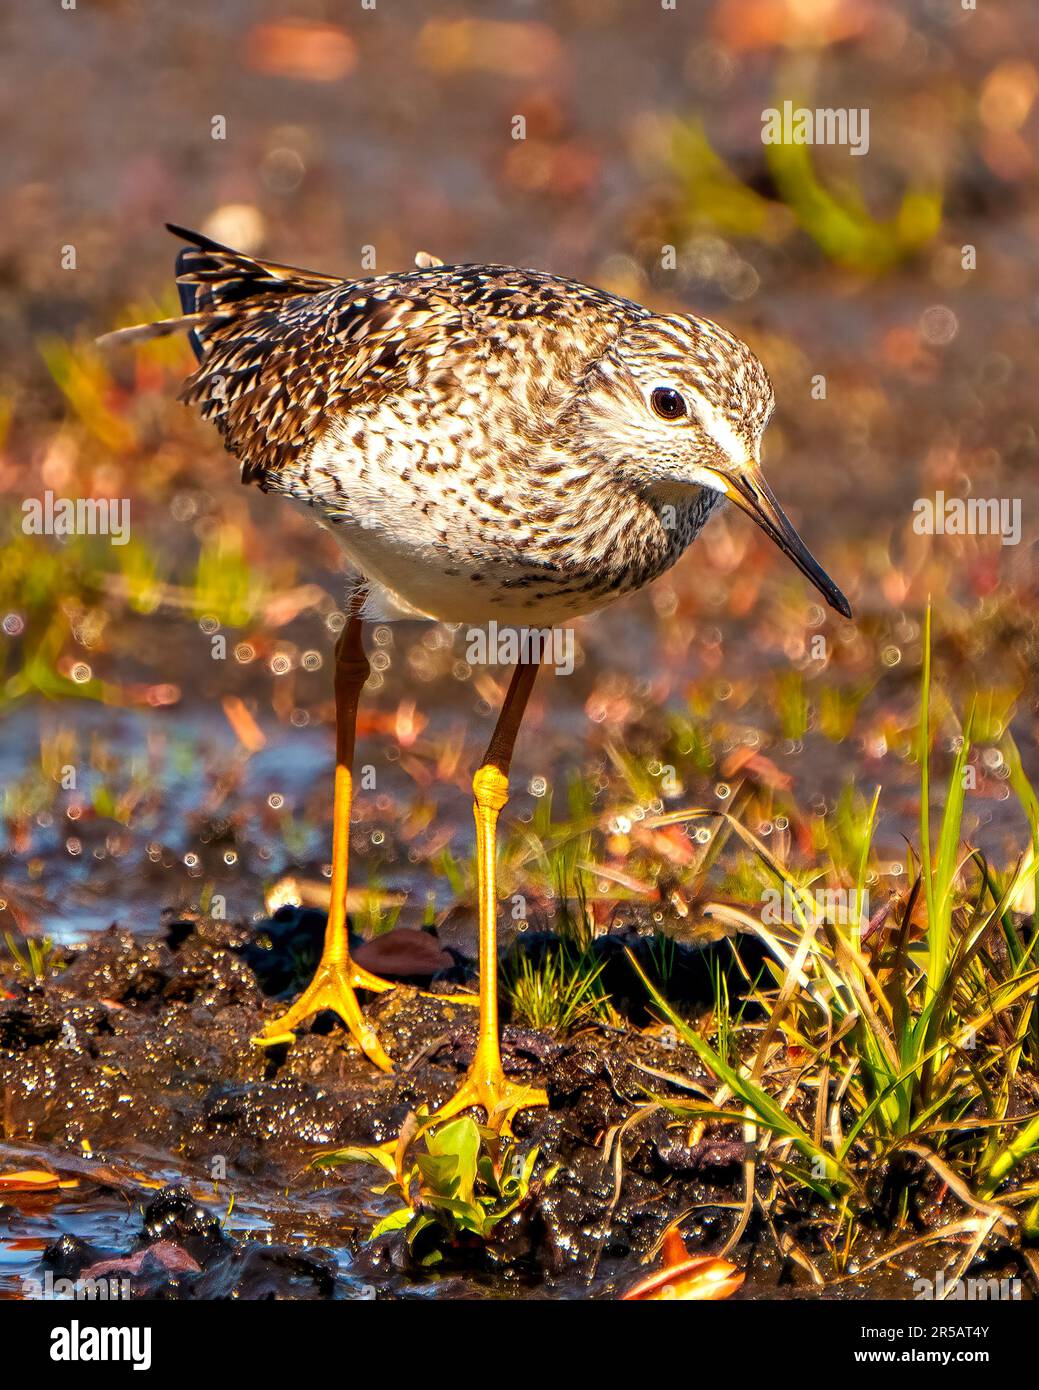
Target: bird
(486, 443)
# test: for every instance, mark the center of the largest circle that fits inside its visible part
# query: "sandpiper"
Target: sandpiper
(486, 443)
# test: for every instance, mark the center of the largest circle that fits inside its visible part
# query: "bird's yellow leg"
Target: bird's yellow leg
(337, 978)
(486, 1084)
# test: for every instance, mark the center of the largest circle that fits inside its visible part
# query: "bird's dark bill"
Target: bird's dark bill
(753, 495)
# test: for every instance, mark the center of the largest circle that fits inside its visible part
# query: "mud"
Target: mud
(130, 1073)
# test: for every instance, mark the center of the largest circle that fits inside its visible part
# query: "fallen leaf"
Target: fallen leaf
(403, 951)
(170, 1256)
(249, 733)
(686, 1277)
(761, 768)
(34, 1180)
(301, 48)
(700, 1278)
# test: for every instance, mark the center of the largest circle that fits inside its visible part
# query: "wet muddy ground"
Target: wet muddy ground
(130, 1074)
(129, 1071)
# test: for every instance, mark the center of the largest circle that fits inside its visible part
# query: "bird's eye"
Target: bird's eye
(668, 403)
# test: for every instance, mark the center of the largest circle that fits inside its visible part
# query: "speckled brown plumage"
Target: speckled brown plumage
(283, 350)
(480, 438)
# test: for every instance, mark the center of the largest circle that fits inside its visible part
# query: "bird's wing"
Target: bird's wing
(282, 351)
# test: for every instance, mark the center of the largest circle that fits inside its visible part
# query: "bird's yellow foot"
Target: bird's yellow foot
(333, 987)
(486, 1086)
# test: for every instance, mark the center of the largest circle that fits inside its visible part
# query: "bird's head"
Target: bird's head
(675, 403)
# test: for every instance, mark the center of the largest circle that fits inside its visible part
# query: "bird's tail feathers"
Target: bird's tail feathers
(141, 332)
(217, 284)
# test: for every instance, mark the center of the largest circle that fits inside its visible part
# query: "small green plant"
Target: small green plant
(35, 959)
(557, 993)
(225, 583)
(792, 704)
(378, 911)
(912, 1038)
(726, 1021)
(574, 923)
(454, 1186)
(446, 865)
(663, 953)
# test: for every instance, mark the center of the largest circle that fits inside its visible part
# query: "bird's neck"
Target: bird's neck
(630, 536)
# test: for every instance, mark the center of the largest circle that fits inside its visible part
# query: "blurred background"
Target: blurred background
(148, 765)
